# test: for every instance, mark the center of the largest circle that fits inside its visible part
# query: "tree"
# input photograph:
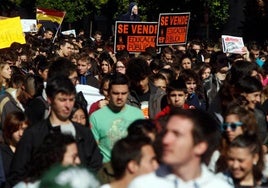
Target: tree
(256, 16)
(218, 12)
(6, 7)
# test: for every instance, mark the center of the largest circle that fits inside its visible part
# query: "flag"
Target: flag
(49, 18)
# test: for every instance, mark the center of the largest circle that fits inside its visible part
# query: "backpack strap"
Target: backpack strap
(2, 104)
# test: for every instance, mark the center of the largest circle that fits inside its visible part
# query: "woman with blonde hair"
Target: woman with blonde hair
(5, 75)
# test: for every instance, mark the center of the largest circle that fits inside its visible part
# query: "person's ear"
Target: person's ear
(132, 166)
(244, 94)
(168, 99)
(49, 100)
(108, 96)
(186, 95)
(40, 72)
(200, 148)
(255, 158)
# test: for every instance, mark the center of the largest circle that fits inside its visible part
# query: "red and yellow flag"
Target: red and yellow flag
(50, 15)
(49, 18)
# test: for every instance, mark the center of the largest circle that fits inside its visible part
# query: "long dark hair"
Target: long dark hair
(251, 141)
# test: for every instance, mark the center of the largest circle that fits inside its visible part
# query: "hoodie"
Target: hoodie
(129, 16)
(131, 5)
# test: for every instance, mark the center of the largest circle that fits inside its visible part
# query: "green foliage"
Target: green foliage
(6, 6)
(98, 3)
(17, 2)
(122, 7)
(218, 12)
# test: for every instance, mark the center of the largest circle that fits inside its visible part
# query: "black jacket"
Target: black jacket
(37, 109)
(90, 80)
(32, 138)
(130, 17)
(7, 155)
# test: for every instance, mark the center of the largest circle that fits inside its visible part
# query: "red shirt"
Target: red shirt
(167, 110)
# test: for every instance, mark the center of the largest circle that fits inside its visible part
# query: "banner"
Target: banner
(134, 36)
(50, 18)
(11, 31)
(172, 28)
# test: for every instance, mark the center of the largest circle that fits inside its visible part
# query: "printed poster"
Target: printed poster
(232, 44)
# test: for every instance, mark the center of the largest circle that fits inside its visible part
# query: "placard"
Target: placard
(11, 31)
(172, 28)
(232, 44)
(134, 36)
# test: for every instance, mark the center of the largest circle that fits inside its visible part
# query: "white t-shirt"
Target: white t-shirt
(163, 178)
(105, 186)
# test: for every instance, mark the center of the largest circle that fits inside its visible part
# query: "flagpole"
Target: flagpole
(58, 28)
(56, 34)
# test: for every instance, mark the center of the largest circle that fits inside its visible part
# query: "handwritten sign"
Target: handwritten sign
(11, 31)
(172, 28)
(135, 36)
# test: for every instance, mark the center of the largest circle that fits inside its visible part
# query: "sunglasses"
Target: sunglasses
(233, 125)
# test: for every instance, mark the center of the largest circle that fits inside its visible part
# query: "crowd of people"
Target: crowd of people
(188, 115)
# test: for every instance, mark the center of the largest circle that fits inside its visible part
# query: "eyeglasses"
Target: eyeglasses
(223, 71)
(232, 125)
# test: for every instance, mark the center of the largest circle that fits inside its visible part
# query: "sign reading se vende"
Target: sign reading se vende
(172, 28)
(134, 36)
